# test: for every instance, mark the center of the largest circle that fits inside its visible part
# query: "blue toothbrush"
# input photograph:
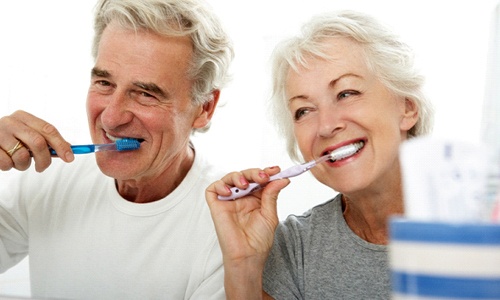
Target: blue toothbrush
(120, 145)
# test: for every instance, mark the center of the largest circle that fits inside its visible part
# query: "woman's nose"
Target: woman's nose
(330, 121)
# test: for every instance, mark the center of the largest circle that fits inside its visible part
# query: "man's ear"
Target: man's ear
(410, 115)
(207, 110)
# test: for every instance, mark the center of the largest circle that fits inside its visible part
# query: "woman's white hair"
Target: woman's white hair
(386, 55)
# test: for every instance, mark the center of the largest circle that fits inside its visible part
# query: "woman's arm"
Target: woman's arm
(245, 228)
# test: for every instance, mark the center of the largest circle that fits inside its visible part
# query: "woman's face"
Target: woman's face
(339, 102)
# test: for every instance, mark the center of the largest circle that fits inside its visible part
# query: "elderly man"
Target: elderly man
(127, 224)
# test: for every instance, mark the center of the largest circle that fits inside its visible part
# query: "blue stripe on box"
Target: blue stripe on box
(435, 232)
(447, 287)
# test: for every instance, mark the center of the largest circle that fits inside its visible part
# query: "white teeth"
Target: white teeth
(112, 138)
(346, 151)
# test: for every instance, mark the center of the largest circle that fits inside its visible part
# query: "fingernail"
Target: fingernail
(243, 180)
(263, 174)
(69, 156)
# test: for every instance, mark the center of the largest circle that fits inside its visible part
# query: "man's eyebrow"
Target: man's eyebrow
(151, 87)
(96, 72)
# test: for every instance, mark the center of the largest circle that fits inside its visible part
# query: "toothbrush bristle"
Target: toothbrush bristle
(127, 144)
(345, 151)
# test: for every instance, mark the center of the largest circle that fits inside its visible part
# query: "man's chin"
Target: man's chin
(113, 166)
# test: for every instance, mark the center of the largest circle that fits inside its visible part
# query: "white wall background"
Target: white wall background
(45, 63)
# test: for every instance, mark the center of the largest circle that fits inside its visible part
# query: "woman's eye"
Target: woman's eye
(345, 94)
(299, 113)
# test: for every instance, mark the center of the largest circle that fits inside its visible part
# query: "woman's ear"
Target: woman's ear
(207, 110)
(410, 115)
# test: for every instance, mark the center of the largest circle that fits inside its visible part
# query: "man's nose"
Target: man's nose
(117, 111)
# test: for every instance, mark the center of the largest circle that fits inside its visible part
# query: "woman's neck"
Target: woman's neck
(368, 217)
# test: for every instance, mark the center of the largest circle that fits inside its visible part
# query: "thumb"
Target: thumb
(270, 198)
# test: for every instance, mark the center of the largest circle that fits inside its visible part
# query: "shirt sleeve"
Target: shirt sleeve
(13, 222)
(211, 286)
(284, 265)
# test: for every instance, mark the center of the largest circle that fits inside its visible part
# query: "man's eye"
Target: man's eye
(145, 98)
(144, 94)
(103, 83)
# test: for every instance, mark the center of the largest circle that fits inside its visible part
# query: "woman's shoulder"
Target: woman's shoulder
(319, 214)
(328, 207)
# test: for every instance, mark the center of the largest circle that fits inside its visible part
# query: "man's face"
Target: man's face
(140, 89)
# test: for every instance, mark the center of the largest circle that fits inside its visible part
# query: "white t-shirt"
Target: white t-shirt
(86, 242)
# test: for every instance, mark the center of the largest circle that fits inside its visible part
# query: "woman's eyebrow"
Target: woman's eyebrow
(331, 85)
(335, 81)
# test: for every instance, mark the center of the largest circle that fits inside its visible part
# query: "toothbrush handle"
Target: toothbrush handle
(238, 193)
(252, 187)
(79, 149)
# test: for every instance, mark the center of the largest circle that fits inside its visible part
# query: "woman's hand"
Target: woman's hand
(245, 227)
(23, 136)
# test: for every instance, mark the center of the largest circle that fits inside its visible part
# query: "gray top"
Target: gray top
(317, 256)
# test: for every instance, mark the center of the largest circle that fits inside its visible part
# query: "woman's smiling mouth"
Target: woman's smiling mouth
(346, 151)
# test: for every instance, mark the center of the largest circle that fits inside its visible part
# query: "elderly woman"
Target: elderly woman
(347, 80)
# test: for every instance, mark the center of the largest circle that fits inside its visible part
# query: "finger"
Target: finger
(270, 198)
(6, 162)
(240, 179)
(21, 159)
(14, 156)
(260, 176)
(272, 170)
(38, 133)
(35, 147)
(215, 189)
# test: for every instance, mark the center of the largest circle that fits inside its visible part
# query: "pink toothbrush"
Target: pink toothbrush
(339, 153)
